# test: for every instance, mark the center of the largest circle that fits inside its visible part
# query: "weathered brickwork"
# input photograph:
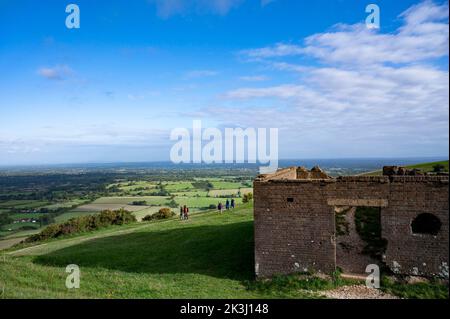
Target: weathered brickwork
(295, 227)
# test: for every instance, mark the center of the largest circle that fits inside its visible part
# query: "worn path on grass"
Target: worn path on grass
(47, 247)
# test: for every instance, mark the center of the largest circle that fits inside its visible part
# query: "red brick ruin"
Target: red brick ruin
(308, 221)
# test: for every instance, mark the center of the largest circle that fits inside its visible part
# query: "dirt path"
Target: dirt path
(6, 243)
(73, 241)
(357, 292)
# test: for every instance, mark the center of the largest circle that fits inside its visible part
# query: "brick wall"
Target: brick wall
(295, 225)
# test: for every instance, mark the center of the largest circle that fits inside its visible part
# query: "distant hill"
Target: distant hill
(425, 167)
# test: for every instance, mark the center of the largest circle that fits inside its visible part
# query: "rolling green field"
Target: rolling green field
(66, 204)
(23, 204)
(197, 193)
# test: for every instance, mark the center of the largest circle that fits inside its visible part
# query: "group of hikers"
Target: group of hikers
(184, 212)
(229, 204)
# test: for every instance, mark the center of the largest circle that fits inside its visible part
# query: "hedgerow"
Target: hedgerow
(84, 224)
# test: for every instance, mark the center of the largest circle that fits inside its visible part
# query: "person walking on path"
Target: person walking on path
(232, 203)
(227, 204)
(186, 215)
(181, 213)
(184, 212)
(219, 207)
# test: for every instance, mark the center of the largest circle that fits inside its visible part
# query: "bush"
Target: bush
(139, 203)
(438, 168)
(84, 223)
(163, 213)
(147, 218)
(247, 198)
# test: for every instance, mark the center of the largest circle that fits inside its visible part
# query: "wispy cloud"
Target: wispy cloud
(424, 35)
(56, 73)
(168, 8)
(254, 78)
(200, 74)
(266, 2)
(367, 88)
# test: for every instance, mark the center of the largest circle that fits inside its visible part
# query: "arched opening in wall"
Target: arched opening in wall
(426, 224)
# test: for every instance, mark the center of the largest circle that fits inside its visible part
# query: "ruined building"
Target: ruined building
(306, 220)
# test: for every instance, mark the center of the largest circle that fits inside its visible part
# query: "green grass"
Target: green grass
(22, 204)
(148, 211)
(425, 167)
(16, 229)
(68, 204)
(151, 200)
(178, 186)
(72, 214)
(226, 185)
(227, 192)
(202, 202)
(208, 256)
(16, 226)
(26, 215)
(428, 167)
(421, 290)
(191, 193)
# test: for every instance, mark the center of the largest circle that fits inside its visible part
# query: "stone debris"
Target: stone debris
(357, 292)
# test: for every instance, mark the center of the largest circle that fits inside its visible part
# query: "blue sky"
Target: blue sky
(113, 89)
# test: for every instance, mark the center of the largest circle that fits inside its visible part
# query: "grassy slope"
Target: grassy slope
(209, 256)
(426, 167)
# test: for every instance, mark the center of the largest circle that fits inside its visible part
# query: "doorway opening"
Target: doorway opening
(358, 238)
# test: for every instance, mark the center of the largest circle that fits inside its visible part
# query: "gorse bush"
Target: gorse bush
(247, 198)
(163, 213)
(83, 224)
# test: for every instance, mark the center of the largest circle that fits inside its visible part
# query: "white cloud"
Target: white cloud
(57, 73)
(254, 78)
(200, 74)
(372, 94)
(423, 36)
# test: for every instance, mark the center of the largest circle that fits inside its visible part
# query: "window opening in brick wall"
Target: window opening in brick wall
(426, 224)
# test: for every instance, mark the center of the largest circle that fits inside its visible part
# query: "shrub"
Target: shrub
(163, 213)
(438, 168)
(84, 223)
(247, 198)
(139, 203)
(147, 218)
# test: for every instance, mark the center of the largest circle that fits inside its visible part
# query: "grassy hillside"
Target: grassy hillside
(425, 167)
(428, 167)
(209, 256)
